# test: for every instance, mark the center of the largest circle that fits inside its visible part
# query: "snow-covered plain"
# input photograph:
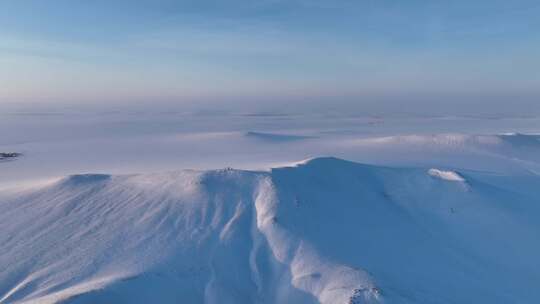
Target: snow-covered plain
(63, 142)
(423, 209)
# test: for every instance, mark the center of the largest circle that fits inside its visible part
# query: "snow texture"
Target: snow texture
(323, 231)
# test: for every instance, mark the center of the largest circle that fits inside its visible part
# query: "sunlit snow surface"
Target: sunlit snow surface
(424, 209)
(446, 175)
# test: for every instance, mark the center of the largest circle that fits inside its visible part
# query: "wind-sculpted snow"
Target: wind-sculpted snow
(323, 231)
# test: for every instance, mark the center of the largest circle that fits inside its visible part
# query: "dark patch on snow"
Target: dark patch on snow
(83, 179)
(5, 156)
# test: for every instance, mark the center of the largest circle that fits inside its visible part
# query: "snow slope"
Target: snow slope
(323, 231)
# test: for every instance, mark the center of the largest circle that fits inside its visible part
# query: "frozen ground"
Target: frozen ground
(424, 210)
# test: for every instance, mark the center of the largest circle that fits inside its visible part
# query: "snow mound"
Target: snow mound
(446, 175)
(325, 231)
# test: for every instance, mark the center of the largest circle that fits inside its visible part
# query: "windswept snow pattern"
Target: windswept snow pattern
(323, 231)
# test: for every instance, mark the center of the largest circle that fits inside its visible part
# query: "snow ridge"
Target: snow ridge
(325, 231)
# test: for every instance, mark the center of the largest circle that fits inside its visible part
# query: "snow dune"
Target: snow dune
(324, 231)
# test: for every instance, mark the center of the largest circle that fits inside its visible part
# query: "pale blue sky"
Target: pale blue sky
(179, 51)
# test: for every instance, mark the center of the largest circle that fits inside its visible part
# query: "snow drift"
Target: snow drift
(324, 231)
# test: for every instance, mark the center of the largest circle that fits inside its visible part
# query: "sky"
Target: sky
(442, 53)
